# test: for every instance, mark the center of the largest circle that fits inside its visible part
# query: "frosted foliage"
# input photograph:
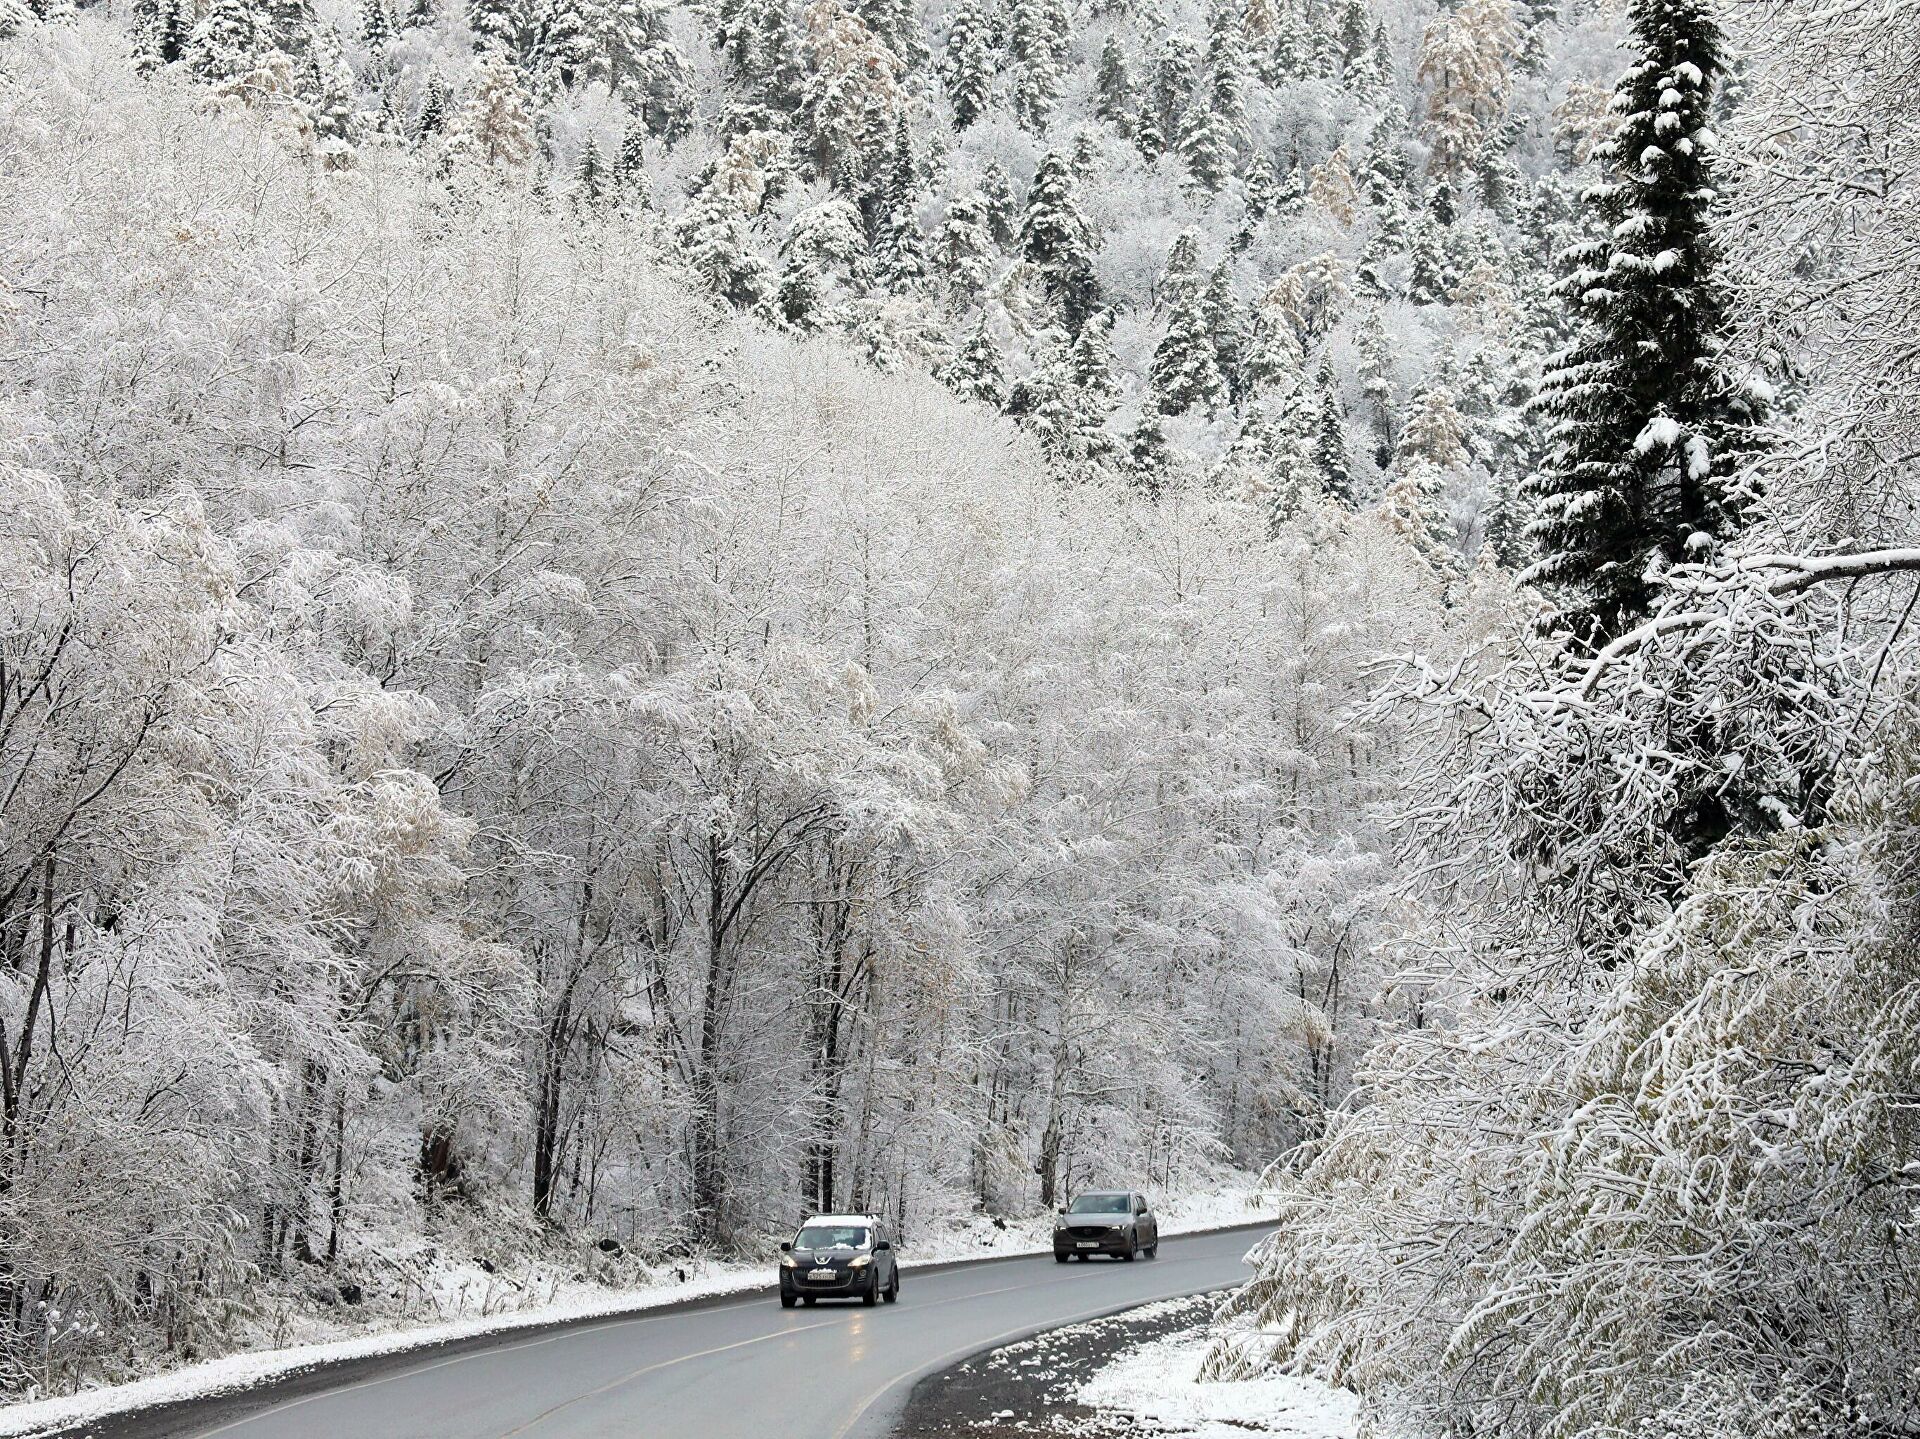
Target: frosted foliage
(498, 752)
(1647, 1165)
(625, 619)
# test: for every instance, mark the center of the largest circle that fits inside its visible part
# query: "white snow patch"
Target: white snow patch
(1662, 431)
(1158, 1382)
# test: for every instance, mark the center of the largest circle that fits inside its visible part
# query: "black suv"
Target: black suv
(1109, 1222)
(839, 1256)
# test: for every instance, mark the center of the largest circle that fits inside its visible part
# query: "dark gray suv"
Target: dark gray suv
(839, 1256)
(1107, 1222)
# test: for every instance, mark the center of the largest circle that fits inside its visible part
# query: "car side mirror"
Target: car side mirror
(786, 1247)
(883, 1246)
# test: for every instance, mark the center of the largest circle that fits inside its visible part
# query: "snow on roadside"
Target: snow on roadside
(1157, 1385)
(1220, 1208)
(242, 1371)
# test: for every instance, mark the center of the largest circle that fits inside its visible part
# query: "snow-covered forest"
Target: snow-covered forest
(618, 620)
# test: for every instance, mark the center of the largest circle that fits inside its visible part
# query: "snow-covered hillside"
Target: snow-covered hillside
(621, 620)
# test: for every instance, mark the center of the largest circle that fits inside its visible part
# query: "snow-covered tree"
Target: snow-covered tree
(970, 63)
(1647, 424)
(1057, 239)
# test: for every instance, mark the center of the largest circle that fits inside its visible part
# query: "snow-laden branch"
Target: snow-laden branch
(1791, 575)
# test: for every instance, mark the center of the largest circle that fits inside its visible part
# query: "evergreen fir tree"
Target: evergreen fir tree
(966, 248)
(1148, 138)
(1330, 440)
(996, 190)
(1229, 335)
(1113, 87)
(1204, 148)
(902, 252)
(1093, 367)
(1291, 197)
(1149, 459)
(1273, 357)
(650, 73)
(1645, 425)
(970, 65)
(231, 39)
(897, 25)
(495, 25)
(1185, 372)
(976, 369)
(1169, 92)
(568, 49)
(435, 111)
(1085, 156)
(1181, 274)
(1046, 402)
(1428, 280)
(1375, 372)
(630, 182)
(328, 86)
(162, 30)
(1057, 238)
(1262, 190)
(1354, 35)
(1504, 521)
(1281, 437)
(1368, 270)
(376, 26)
(591, 182)
(1293, 41)
(1038, 44)
(823, 243)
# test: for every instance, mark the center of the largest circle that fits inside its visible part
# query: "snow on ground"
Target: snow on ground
(1156, 1386)
(500, 1309)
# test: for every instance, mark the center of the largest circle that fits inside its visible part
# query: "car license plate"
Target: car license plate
(819, 1274)
(1089, 1244)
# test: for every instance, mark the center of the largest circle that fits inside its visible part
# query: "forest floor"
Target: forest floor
(1130, 1376)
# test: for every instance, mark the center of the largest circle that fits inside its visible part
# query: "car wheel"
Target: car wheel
(892, 1295)
(1133, 1248)
(872, 1296)
(1059, 1258)
(1154, 1251)
(787, 1301)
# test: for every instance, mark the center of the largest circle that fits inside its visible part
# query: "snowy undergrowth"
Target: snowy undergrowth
(470, 1301)
(1156, 1385)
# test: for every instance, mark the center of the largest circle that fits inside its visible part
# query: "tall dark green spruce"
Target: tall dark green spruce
(1645, 427)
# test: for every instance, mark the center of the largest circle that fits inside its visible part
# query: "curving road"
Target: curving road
(743, 1369)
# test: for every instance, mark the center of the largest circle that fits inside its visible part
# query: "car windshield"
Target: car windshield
(831, 1236)
(1101, 1204)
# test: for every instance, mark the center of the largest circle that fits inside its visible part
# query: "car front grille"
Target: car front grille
(1089, 1231)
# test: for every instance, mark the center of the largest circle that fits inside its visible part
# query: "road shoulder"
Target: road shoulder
(1128, 1376)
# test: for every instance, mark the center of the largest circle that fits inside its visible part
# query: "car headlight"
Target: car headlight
(787, 1261)
(860, 1261)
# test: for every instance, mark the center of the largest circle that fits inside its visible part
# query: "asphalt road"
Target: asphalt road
(744, 1369)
